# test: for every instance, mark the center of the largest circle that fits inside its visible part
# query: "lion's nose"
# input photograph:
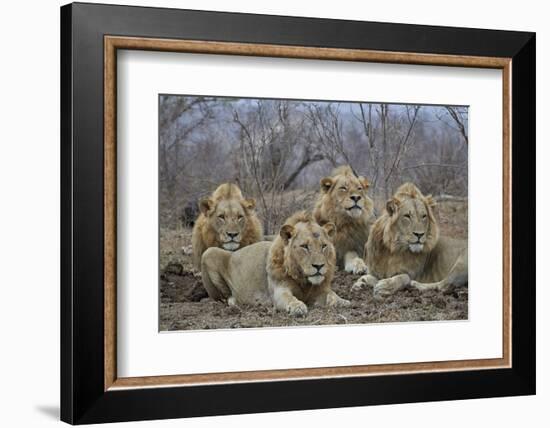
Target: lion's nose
(232, 234)
(318, 267)
(355, 198)
(418, 234)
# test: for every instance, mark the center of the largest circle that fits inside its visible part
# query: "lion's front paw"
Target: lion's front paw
(297, 308)
(364, 281)
(356, 266)
(386, 287)
(358, 285)
(334, 300)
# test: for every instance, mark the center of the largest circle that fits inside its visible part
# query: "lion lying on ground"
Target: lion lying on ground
(405, 249)
(290, 273)
(227, 220)
(343, 201)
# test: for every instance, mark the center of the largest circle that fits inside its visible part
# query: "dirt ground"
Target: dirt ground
(184, 304)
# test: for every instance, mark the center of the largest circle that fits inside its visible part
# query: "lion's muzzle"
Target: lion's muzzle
(317, 273)
(418, 245)
(232, 241)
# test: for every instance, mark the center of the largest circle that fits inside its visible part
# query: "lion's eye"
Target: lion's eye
(324, 246)
(425, 215)
(407, 216)
(360, 189)
(221, 217)
(241, 217)
(343, 188)
(305, 246)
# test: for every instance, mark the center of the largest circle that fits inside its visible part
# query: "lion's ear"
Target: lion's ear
(249, 203)
(430, 201)
(287, 232)
(330, 228)
(326, 184)
(392, 206)
(364, 182)
(205, 205)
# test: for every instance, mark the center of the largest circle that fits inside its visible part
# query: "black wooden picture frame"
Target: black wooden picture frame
(84, 398)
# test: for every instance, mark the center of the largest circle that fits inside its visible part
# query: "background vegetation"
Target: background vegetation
(278, 150)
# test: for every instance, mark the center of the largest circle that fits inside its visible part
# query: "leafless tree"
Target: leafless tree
(278, 150)
(457, 118)
(270, 141)
(328, 130)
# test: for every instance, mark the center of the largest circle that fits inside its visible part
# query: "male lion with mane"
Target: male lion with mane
(290, 273)
(343, 201)
(405, 249)
(226, 220)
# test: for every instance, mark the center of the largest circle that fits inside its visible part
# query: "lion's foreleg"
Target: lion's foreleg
(354, 264)
(426, 286)
(212, 268)
(388, 286)
(285, 301)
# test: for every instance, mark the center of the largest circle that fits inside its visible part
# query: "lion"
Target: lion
(290, 273)
(405, 249)
(343, 201)
(226, 220)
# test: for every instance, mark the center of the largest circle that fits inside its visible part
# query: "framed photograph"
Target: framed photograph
(266, 213)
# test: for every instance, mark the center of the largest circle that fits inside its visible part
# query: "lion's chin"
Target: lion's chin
(315, 279)
(355, 212)
(416, 248)
(231, 246)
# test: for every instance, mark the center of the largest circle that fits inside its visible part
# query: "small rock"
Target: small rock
(174, 268)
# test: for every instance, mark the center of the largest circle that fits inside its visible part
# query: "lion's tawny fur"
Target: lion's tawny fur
(282, 264)
(283, 273)
(207, 231)
(351, 231)
(389, 249)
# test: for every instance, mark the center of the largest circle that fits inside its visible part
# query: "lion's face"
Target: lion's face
(413, 224)
(347, 194)
(228, 218)
(309, 252)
